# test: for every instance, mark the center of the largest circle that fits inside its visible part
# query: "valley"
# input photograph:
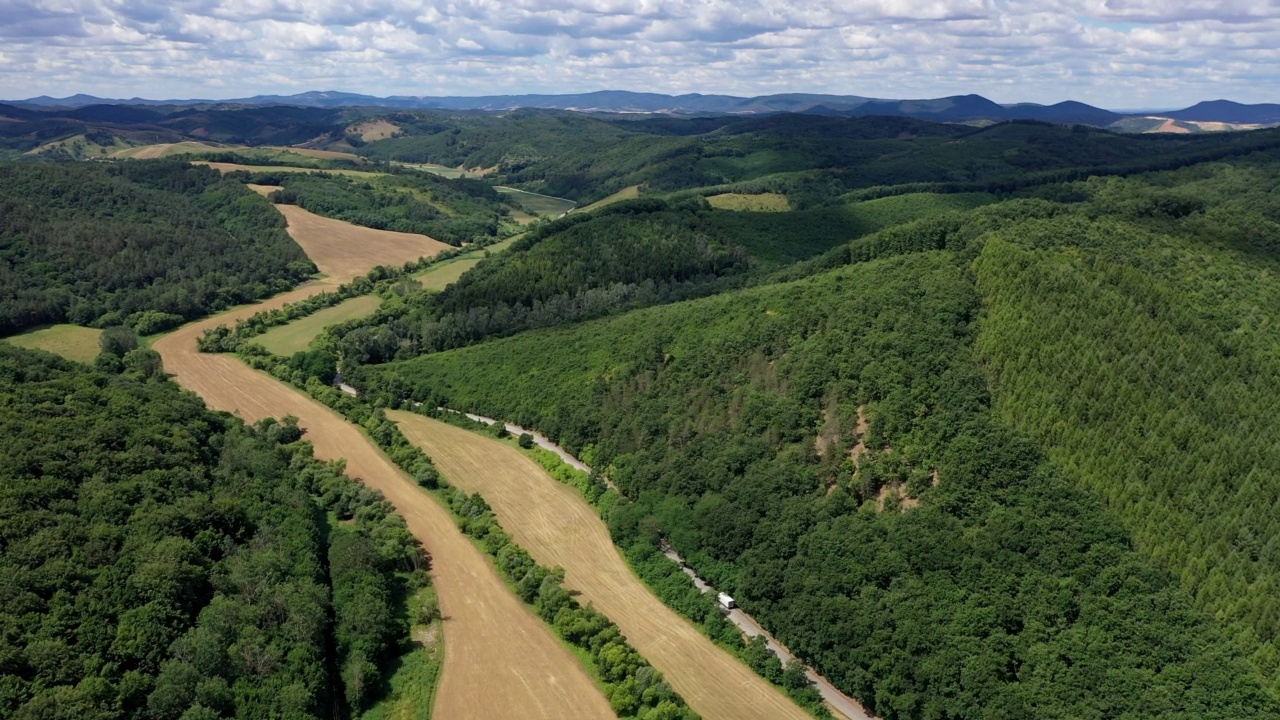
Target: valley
(490, 639)
(969, 416)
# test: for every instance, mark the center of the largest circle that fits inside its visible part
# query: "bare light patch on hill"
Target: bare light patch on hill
(342, 250)
(374, 130)
(764, 202)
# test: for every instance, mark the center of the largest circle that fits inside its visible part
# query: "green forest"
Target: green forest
(163, 561)
(1060, 506)
(451, 211)
(148, 244)
(976, 421)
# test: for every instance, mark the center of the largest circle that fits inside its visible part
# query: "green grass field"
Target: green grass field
(412, 686)
(440, 275)
(70, 341)
(437, 277)
(441, 170)
(539, 204)
(297, 335)
(626, 193)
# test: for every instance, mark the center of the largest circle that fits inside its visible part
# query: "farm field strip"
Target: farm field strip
(555, 525)
(340, 249)
(297, 335)
(438, 277)
(763, 202)
(537, 202)
(626, 193)
(501, 661)
(69, 341)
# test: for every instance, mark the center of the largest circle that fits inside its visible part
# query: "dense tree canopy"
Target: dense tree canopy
(941, 564)
(148, 243)
(162, 561)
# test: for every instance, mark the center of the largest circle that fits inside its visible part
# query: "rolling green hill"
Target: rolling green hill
(1063, 504)
(1001, 591)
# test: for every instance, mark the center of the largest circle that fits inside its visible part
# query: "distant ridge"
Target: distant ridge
(1229, 112)
(957, 108)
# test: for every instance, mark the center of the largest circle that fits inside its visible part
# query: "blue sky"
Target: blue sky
(1112, 53)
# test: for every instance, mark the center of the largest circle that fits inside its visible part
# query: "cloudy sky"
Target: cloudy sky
(1114, 53)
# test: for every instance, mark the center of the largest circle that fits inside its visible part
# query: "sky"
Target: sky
(1119, 54)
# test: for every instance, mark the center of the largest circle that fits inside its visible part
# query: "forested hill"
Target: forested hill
(161, 561)
(149, 244)
(452, 211)
(1061, 505)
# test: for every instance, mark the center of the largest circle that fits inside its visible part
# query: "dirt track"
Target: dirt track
(501, 661)
(557, 527)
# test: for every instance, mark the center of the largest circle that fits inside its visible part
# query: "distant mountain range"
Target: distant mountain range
(959, 108)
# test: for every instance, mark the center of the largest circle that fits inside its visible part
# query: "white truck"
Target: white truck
(726, 602)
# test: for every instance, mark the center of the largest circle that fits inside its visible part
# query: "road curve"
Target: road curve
(553, 522)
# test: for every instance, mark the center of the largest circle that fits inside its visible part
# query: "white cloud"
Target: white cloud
(1117, 53)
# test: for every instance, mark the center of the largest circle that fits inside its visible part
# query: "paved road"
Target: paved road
(838, 701)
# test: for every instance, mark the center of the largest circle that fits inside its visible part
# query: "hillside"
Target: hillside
(705, 413)
(1124, 462)
(147, 244)
(958, 108)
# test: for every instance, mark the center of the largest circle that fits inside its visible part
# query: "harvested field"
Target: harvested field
(374, 130)
(627, 193)
(263, 190)
(232, 167)
(70, 341)
(538, 204)
(343, 250)
(297, 335)
(500, 660)
(160, 150)
(764, 202)
(558, 527)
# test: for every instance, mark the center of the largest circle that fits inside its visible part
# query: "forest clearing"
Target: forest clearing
(764, 202)
(70, 341)
(626, 193)
(538, 204)
(555, 525)
(343, 250)
(297, 335)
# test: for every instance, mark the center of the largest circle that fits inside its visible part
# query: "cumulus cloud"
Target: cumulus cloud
(1115, 53)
